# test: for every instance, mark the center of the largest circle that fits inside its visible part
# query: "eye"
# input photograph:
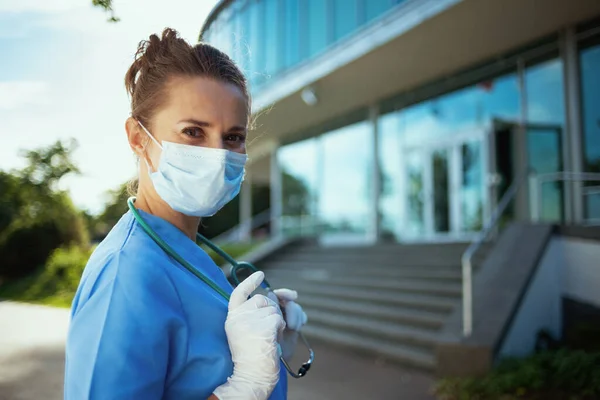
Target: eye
(235, 138)
(193, 131)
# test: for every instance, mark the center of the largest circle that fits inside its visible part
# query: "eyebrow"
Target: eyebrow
(208, 125)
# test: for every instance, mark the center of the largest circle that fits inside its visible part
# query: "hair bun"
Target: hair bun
(155, 52)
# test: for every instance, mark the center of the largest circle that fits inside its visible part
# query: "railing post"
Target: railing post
(467, 298)
(535, 190)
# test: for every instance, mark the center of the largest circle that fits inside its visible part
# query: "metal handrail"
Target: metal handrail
(553, 177)
(234, 233)
(466, 260)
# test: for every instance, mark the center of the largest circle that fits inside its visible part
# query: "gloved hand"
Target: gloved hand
(252, 328)
(295, 317)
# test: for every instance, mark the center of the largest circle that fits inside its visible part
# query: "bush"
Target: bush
(38, 229)
(55, 284)
(566, 374)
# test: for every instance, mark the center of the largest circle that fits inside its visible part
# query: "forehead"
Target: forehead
(206, 99)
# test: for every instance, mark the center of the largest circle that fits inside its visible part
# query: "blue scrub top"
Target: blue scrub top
(144, 327)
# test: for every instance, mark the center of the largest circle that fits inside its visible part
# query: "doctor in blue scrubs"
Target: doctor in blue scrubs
(142, 326)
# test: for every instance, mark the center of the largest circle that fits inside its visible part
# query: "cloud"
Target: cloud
(19, 94)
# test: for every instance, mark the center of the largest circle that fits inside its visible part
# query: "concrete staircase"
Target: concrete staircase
(388, 300)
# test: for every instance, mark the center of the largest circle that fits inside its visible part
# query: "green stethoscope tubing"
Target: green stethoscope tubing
(235, 267)
(169, 250)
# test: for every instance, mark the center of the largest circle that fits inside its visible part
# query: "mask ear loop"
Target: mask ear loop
(154, 140)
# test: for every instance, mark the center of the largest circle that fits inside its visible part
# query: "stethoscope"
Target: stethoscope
(235, 268)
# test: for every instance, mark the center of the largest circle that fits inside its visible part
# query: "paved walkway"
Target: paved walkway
(32, 362)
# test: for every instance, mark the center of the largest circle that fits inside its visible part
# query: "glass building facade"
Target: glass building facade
(269, 37)
(434, 164)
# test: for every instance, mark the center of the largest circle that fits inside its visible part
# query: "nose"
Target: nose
(214, 141)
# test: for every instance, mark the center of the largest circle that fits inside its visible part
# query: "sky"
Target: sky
(62, 67)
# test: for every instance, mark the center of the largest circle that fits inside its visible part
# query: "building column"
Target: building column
(572, 136)
(246, 209)
(276, 194)
(374, 219)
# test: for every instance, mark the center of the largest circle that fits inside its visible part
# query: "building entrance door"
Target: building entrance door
(445, 191)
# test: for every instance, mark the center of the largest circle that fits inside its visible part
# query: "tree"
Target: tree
(107, 6)
(35, 217)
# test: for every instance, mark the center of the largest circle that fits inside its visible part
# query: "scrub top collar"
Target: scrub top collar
(182, 245)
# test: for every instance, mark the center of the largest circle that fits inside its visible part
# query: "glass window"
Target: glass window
(390, 197)
(475, 107)
(272, 28)
(292, 37)
(255, 41)
(345, 17)
(317, 26)
(236, 38)
(590, 90)
(244, 40)
(299, 178)
(346, 178)
(374, 8)
(546, 119)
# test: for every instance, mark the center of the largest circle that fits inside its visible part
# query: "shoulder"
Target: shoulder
(129, 259)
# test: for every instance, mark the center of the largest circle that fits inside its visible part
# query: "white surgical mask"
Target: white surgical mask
(196, 181)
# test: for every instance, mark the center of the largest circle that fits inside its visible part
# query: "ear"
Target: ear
(138, 140)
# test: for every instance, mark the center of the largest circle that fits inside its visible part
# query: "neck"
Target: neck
(156, 206)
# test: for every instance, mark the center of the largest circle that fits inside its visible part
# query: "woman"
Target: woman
(143, 327)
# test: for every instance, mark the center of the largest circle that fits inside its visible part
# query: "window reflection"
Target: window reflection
(345, 17)
(391, 196)
(546, 117)
(471, 191)
(374, 8)
(317, 26)
(590, 91)
(441, 194)
(272, 28)
(291, 34)
(465, 110)
(345, 191)
(299, 177)
(268, 36)
(255, 40)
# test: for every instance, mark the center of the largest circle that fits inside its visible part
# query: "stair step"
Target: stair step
(304, 272)
(368, 260)
(409, 317)
(355, 264)
(377, 330)
(382, 286)
(406, 355)
(413, 301)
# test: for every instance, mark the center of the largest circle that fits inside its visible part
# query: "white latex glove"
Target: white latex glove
(252, 328)
(295, 317)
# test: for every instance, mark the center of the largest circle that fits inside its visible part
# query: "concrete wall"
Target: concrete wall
(582, 270)
(541, 307)
(569, 268)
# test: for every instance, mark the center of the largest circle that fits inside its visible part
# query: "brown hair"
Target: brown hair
(159, 59)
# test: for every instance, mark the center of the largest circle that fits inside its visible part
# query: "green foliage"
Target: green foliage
(35, 218)
(55, 284)
(229, 216)
(568, 374)
(113, 211)
(296, 195)
(107, 6)
(235, 250)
